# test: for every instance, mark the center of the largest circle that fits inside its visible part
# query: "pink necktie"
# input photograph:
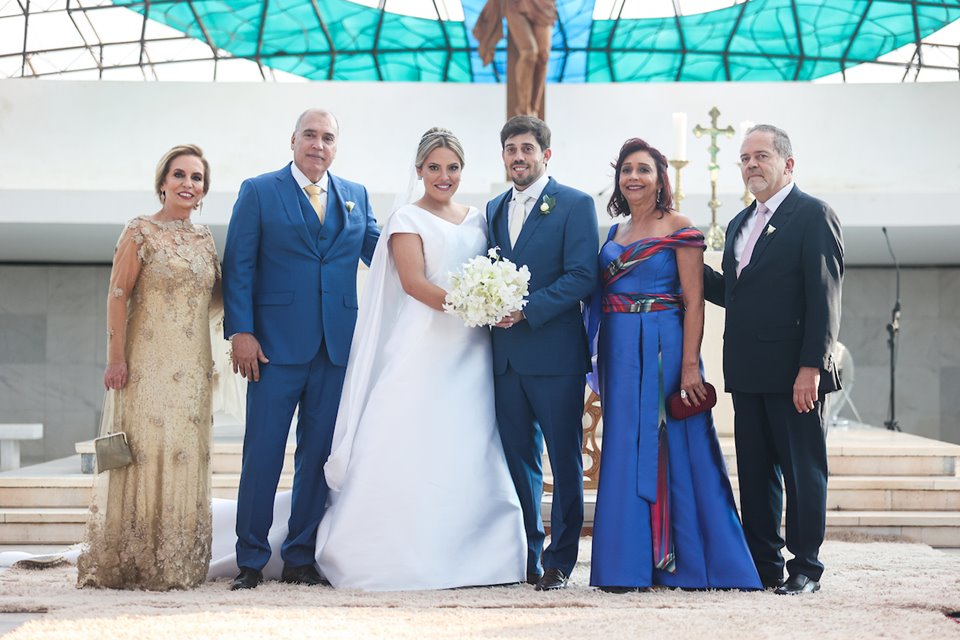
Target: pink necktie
(762, 214)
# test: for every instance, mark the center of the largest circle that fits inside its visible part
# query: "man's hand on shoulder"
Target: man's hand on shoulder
(247, 356)
(806, 389)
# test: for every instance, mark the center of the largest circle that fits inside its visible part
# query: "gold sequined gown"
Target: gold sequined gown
(150, 523)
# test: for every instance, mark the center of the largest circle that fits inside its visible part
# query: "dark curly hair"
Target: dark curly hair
(618, 204)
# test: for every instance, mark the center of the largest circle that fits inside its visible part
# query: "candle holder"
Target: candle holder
(747, 197)
(678, 194)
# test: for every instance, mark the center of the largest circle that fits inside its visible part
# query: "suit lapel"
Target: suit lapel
(289, 192)
(497, 227)
(336, 206)
(535, 218)
(779, 219)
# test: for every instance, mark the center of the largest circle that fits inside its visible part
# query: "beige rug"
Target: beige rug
(870, 590)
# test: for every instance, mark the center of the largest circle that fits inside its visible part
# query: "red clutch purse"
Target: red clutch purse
(680, 411)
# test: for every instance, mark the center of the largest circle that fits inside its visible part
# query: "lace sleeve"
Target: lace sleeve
(127, 260)
(216, 297)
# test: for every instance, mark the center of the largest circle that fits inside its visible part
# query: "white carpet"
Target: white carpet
(870, 590)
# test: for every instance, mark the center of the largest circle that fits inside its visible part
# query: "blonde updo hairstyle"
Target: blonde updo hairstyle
(163, 167)
(438, 138)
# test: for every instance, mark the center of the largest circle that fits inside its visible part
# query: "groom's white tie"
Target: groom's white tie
(517, 214)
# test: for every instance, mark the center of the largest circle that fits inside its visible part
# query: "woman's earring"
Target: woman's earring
(199, 207)
(163, 196)
(658, 195)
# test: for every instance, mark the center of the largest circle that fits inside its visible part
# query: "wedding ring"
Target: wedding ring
(683, 394)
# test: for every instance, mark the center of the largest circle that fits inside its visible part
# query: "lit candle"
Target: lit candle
(680, 131)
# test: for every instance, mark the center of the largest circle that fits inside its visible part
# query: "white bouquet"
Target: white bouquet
(487, 288)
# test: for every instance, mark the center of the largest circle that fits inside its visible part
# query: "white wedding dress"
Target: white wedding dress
(420, 497)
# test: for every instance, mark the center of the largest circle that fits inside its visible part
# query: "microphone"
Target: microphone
(896, 265)
(893, 329)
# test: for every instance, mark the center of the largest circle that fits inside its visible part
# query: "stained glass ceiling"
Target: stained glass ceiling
(432, 40)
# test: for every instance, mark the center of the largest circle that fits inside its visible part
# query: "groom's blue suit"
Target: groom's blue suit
(539, 364)
(291, 282)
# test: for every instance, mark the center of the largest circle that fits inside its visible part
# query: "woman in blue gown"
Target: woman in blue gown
(647, 318)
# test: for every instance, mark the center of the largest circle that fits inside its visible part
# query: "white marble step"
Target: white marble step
(849, 493)
(936, 528)
(882, 482)
(852, 452)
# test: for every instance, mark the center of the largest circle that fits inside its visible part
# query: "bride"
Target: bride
(420, 494)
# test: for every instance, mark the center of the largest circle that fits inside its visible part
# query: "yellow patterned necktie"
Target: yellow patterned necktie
(313, 194)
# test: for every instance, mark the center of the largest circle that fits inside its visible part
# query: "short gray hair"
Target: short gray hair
(781, 141)
(321, 112)
(437, 138)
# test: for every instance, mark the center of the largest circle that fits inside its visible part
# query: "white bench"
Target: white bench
(10, 437)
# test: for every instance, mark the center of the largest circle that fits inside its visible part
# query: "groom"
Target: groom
(290, 304)
(540, 354)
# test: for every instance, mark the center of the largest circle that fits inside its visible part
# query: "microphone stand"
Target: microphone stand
(893, 331)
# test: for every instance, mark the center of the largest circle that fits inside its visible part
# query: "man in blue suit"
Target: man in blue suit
(540, 354)
(290, 302)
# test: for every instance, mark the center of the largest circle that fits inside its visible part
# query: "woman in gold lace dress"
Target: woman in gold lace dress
(150, 521)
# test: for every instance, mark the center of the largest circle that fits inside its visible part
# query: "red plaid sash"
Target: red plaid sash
(645, 248)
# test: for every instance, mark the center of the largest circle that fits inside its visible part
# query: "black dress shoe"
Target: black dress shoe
(304, 574)
(552, 580)
(533, 578)
(798, 584)
(247, 579)
(619, 589)
(771, 583)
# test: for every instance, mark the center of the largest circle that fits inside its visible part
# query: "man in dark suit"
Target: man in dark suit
(290, 306)
(540, 354)
(782, 271)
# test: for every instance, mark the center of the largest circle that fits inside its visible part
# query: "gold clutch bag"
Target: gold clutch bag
(111, 448)
(113, 451)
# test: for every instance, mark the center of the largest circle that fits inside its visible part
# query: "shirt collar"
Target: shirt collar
(303, 181)
(774, 202)
(534, 190)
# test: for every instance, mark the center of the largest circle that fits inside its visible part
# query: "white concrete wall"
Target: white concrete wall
(877, 141)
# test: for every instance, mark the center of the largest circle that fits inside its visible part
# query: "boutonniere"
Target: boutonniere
(549, 202)
(350, 205)
(770, 229)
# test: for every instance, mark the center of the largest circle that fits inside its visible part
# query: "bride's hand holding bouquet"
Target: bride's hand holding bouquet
(486, 289)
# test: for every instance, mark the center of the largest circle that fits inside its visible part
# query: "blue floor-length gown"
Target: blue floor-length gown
(708, 541)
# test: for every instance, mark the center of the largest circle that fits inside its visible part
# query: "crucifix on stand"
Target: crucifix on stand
(715, 235)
